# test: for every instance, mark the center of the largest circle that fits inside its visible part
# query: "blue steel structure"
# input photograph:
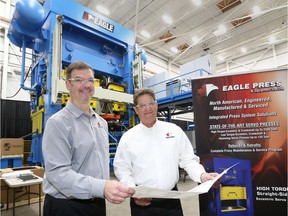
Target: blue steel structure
(58, 33)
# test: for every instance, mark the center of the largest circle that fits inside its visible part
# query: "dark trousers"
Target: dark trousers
(73, 207)
(159, 207)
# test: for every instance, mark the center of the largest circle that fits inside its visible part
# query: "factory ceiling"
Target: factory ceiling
(182, 31)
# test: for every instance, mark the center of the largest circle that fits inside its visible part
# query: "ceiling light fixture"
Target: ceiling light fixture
(197, 2)
(167, 19)
(145, 34)
(220, 31)
(256, 11)
(243, 49)
(272, 39)
(221, 58)
(102, 10)
(174, 49)
(195, 40)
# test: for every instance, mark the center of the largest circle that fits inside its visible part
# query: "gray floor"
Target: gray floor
(189, 205)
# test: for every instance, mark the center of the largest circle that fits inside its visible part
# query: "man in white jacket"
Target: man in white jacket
(150, 154)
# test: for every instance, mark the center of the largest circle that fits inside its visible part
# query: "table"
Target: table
(16, 182)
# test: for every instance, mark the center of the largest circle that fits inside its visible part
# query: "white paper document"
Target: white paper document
(141, 191)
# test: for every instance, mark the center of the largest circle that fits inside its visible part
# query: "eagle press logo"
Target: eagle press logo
(97, 21)
(206, 89)
(169, 135)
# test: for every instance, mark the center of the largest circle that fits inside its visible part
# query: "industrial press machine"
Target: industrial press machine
(60, 32)
(234, 196)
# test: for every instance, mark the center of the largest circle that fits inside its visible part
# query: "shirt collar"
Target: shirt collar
(76, 111)
(154, 126)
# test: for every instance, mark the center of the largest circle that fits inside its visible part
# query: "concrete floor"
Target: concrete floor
(190, 205)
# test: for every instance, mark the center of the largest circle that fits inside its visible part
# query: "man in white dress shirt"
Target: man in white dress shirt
(150, 154)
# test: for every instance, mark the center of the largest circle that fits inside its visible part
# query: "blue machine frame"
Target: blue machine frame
(60, 32)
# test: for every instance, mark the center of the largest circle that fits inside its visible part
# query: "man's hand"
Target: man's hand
(210, 176)
(116, 192)
(142, 201)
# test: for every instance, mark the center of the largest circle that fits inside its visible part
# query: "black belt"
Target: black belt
(92, 200)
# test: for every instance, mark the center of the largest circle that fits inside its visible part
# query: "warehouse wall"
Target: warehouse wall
(10, 59)
(158, 64)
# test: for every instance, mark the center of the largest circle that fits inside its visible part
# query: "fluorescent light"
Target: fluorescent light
(145, 34)
(220, 31)
(243, 49)
(102, 10)
(256, 11)
(195, 40)
(272, 39)
(174, 49)
(197, 2)
(221, 58)
(167, 19)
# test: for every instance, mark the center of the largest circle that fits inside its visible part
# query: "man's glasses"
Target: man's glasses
(81, 81)
(148, 104)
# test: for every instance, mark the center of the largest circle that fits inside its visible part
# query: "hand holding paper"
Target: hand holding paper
(205, 187)
(141, 191)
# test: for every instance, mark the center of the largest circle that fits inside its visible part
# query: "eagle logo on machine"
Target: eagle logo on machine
(97, 21)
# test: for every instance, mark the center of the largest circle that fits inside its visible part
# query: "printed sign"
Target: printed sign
(243, 118)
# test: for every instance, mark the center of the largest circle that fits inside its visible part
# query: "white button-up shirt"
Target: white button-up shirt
(151, 156)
